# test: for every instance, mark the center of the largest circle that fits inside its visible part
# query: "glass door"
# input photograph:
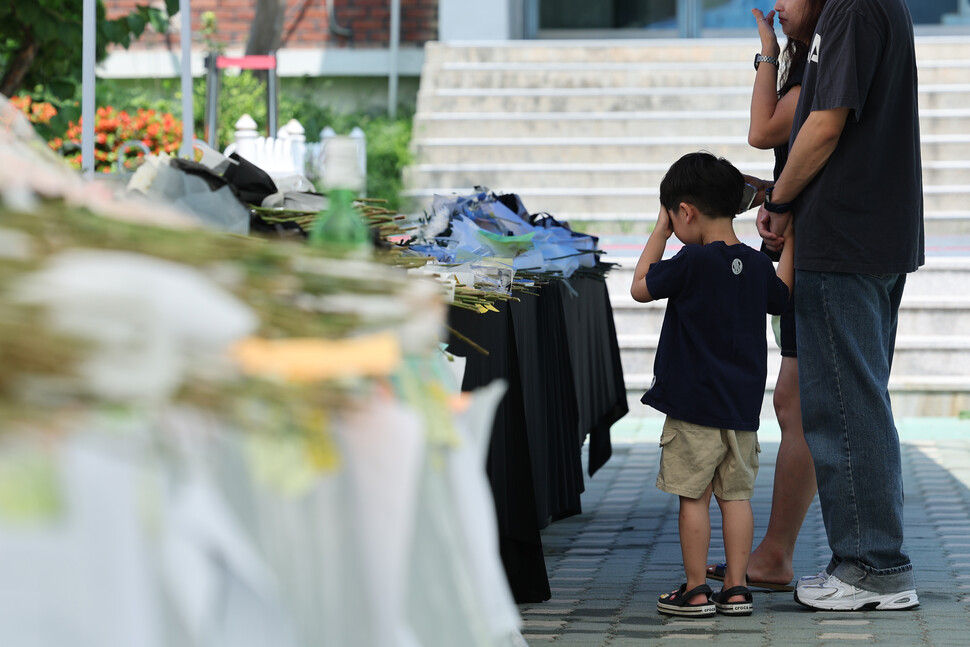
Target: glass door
(638, 18)
(607, 14)
(687, 18)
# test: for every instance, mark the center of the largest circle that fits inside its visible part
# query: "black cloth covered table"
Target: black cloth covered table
(559, 354)
(597, 372)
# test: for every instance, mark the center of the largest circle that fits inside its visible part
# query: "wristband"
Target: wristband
(776, 207)
(761, 58)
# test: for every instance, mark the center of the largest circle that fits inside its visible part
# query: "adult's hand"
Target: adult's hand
(771, 228)
(759, 184)
(766, 30)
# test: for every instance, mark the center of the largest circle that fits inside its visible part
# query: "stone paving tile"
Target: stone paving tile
(610, 563)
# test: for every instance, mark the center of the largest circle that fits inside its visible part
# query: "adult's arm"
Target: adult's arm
(771, 118)
(786, 265)
(812, 148)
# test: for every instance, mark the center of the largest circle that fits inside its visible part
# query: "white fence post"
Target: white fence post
(295, 133)
(244, 139)
(318, 161)
(358, 135)
(289, 153)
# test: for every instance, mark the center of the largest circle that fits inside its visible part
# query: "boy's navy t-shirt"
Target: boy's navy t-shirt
(712, 358)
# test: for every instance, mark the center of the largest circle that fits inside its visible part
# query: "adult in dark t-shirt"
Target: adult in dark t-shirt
(853, 184)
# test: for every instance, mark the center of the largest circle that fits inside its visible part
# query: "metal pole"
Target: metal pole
(211, 99)
(689, 18)
(89, 34)
(395, 45)
(531, 28)
(271, 100)
(185, 37)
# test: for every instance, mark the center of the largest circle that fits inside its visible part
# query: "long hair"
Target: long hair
(796, 49)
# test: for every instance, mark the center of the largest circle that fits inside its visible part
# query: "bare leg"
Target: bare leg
(738, 525)
(794, 485)
(695, 539)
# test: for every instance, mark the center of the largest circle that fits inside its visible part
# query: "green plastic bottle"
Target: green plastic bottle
(340, 228)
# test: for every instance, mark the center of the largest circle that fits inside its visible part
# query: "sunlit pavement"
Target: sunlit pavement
(608, 565)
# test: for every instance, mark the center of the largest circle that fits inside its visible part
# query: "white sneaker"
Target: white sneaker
(835, 595)
(812, 580)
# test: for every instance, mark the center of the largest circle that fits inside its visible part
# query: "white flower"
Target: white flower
(151, 322)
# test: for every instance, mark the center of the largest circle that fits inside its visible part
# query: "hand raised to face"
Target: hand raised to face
(766, 30)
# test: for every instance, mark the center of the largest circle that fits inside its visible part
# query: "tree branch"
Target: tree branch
(19, 65)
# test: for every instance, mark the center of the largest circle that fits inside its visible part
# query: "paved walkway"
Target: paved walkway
(608, 565)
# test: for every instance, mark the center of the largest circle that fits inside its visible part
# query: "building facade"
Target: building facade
(350, 41)
(346, 37)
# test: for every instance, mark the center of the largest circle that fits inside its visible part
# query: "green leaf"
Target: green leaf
(117, 32)
(114, 30)
(62, 88)
(158, 21)
(30, 13)
(172, 7)
(68, 33)
(136, 23)
(44, 30)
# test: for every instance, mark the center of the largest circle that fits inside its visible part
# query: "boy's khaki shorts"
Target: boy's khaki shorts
(695, 456)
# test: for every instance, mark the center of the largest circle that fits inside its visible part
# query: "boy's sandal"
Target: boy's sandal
(722, 605)
(677, 603)
(716, 572)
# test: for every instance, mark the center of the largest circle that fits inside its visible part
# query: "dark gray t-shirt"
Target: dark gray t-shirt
(863, 212)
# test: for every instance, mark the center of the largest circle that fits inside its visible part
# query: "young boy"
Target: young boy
(710, 369)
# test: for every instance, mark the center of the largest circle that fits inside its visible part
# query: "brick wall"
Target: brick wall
(306, 24)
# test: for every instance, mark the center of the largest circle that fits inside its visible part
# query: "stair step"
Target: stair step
(912, 396)
(941, 278)
(946, 231)
(640, 382)
(928, 48)
(606, 75)
(947, 354)
(626, 124)
(633, 99)
(507, 177)
(951, 147)
(564, 201)
(945, 316)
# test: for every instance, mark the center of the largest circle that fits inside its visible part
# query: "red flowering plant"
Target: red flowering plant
(44, 117)
(38, 112)
(159, 132)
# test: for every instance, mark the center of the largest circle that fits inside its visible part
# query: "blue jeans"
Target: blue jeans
(846, 332)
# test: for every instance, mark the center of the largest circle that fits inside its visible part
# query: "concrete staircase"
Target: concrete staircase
(585, 130)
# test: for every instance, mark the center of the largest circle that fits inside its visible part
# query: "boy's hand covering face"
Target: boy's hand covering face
(664, 225)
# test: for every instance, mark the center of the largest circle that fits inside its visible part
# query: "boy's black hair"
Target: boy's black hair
(712, 184)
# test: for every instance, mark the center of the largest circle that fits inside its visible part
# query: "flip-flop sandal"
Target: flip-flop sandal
(676, 602)
(716, 573)
(726, 608)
